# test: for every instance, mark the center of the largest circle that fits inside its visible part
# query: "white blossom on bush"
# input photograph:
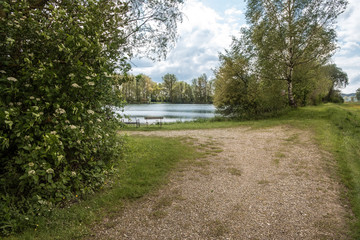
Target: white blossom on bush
(60, 111)
(32, 98)
(73, 127)
(91, 83)
(73, 173)
(75, 85)
(53, 132)
(31, 172)
(90, 111)
(88, 78)
(50, 171)
(12, 79)
(31, 164)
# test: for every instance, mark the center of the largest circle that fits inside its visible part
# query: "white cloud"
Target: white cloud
(203, 34)
(349, 23)
(233, 11)
(348, 58)
(207, 31)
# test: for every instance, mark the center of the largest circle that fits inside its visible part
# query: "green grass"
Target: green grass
(148, 163)
(149, 160)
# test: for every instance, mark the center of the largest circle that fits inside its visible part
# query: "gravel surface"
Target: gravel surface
(265, 184)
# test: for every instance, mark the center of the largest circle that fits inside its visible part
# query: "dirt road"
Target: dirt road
(265, 184)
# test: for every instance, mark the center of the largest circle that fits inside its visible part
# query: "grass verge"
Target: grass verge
(148, 163)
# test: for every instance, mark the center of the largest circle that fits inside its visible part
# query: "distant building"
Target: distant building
(350, 97)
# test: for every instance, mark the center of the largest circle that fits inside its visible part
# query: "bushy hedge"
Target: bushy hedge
(57, 128)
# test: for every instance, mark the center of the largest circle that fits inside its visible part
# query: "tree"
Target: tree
(169, 84)
(200, 89)
(311, 84)
(57, 89)
(358, 94)
(239, 92)
(339, 79)
(288, 33)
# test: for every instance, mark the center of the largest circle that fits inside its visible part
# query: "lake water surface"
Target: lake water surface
(170, 112)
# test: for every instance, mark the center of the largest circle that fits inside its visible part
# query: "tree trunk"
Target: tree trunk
(290, 94)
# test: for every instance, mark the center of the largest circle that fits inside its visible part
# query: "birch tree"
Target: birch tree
(288, 33)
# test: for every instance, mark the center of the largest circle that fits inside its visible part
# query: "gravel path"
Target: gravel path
(264, 184)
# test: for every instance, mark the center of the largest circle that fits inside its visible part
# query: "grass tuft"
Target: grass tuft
(234, 171)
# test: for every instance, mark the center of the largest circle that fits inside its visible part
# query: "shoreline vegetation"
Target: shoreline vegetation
(141, 89)
(336, 130)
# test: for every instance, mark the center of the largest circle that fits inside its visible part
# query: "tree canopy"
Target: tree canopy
(286, 34)
(284, 51)
(141, 89)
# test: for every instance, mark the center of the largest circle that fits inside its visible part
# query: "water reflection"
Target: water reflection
(170, 112)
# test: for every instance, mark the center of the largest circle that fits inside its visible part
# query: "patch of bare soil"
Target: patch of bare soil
(265, 184)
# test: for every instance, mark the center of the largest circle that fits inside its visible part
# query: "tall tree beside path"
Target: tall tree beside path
(289, 33)
(57, 88)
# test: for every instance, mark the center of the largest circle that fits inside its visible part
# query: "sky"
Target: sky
(207, 30)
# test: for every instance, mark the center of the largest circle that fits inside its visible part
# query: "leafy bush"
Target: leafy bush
(57, 91)
(57, 127)
(239, 94)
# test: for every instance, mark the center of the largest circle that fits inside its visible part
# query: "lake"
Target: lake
(170, 112)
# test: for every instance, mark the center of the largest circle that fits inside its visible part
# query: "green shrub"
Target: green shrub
(56, 131)
(57, 93)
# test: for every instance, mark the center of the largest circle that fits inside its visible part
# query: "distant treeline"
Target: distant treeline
(142, 89)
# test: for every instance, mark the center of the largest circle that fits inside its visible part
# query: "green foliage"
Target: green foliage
(358, 94)
(58, 130)
(338, 79)
(287, 34)
(148, 161)
(141, 89)
(183, 93)
(138, 89)
(202, 89)
(312, 84)
(283, 50)
(169, 85)
(57, 137)
(239, 94)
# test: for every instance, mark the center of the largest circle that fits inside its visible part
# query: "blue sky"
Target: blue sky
(208, 26)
